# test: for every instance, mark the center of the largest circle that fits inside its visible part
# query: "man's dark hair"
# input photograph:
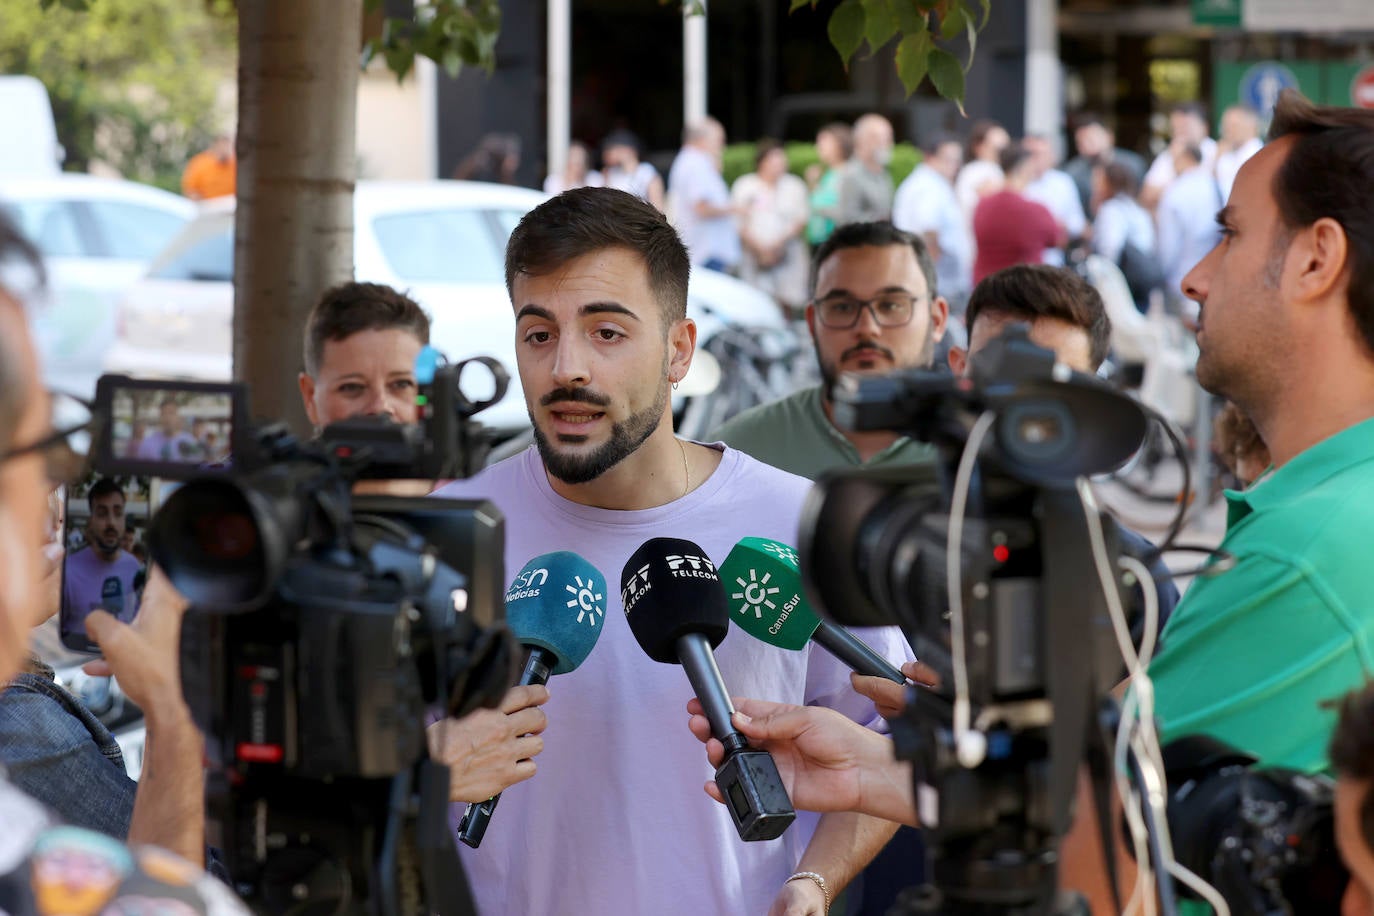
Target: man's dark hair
(1013, 156)
(843, 134)
(1030, 291)
(15, 390)
(1120, 178)
(348, 308)
(976, 135)
(762, 149)
(1196, 109)
(104, 487)
(1329, 172)
(1352, 750)
(932, 143)
(878, 235)
(1087, 119)
(586, 220)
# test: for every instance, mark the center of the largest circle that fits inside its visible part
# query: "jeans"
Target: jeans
(58, 752)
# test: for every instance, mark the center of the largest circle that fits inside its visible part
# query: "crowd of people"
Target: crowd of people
(602, 811)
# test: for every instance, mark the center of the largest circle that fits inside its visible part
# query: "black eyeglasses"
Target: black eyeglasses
(67, 448)
(890, 309)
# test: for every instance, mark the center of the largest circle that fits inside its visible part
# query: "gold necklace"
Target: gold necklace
(685, 468)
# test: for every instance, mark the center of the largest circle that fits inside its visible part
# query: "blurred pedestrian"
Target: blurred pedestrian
(1186, 223)
(1096, 144)
(834, 146)
(212, 172)
(1056, 191)
(1239, 141)
(1187, 127)
(1008, 227)
(496, 159)
(624, 171)
(699, 199)
(981, 174)
(577, 172)
(773, 212)
(925, 205)
(1123, 232)
(865, 184)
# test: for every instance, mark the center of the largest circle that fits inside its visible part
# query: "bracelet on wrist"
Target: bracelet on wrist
(819, 881)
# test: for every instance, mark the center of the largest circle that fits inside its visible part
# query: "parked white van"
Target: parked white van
(28, 144)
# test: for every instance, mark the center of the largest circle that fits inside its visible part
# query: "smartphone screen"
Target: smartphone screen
(175, 425)
(106, 561)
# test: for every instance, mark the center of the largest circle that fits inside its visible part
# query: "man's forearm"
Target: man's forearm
(844, 842)
(169, 808)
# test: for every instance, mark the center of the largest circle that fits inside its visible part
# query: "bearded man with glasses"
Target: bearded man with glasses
(874, 309)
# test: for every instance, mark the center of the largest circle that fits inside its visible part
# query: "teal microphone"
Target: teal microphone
(556, 607)
(763, 582)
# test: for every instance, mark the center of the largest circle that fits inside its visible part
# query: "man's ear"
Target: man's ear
(958, 360)
(939, 318)
(307, 383)
(682, 343)
(1323, 253)
(811, 319)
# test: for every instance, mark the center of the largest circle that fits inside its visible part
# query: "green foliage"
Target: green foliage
(738, 159)
(452, 33)
(133, 83)
(920, 23)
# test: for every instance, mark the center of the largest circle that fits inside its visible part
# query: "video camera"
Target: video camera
(999, 576)
(325, 630)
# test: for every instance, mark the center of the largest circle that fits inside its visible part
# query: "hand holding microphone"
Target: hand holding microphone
(556, 607)
(676, 608)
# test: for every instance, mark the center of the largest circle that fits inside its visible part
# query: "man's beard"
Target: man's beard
(625, 439)
(107, 544)
(830, 372)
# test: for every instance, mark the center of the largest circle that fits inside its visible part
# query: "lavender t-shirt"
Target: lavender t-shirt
(615, 821)
(91, 582)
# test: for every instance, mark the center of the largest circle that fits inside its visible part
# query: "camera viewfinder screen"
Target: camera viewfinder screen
(172, 426)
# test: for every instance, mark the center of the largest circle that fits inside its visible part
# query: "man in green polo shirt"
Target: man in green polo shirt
(874, 308)
(1286, 331)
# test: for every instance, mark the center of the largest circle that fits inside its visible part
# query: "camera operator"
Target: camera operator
(46, 868)
(598, 282)
(361, 342)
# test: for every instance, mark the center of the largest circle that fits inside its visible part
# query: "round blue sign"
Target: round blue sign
(1261, 84)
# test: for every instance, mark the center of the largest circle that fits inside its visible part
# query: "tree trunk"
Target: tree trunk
(298, 78)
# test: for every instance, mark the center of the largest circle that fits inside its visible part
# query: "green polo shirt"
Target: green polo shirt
(794, 434)
(1252, 653)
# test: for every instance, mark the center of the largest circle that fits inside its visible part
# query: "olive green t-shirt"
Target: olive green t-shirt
(794, 434)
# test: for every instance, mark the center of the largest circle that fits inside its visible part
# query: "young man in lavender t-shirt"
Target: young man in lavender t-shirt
(614, 822)
(102, 574)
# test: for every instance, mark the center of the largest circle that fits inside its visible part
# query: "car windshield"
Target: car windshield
(444, 246)
(205, 256)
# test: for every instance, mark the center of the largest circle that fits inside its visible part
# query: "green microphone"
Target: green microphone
(762, 579)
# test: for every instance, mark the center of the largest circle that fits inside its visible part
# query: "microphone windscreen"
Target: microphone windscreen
(670, 588)
(763, 583)
(558, 603)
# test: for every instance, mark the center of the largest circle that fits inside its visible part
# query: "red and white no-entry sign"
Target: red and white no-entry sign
(1362, 88)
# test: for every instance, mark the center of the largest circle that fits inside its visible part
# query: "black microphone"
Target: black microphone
(556, 608)
(675, 605)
